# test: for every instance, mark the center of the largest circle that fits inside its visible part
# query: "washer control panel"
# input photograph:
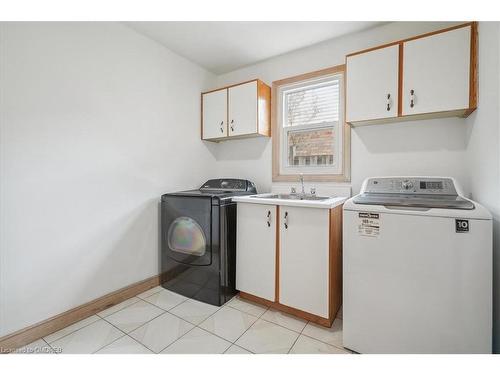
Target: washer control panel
(410, 185)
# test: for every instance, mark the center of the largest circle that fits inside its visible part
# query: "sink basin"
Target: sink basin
(297, 197)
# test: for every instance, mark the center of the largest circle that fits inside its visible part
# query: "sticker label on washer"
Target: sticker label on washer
(461, 226)
(369, 224)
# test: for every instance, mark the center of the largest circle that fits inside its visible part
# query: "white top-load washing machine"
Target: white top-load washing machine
(417, 268)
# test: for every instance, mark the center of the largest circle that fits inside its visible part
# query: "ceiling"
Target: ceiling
(221, 47)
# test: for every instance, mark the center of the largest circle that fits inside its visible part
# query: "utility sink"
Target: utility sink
(297, 197)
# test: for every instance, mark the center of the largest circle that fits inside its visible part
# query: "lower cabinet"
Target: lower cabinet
(290, 258)
(303, 259)
(256, 250)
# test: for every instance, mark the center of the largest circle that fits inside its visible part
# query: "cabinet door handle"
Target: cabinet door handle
(232, 126)
(285, 221)
(269, 218)
(412, 98)
(222, 126)
(388, 102)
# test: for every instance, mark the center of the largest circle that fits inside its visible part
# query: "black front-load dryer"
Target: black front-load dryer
(198, 240)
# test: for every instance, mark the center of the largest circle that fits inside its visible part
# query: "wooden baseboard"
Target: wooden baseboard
(36, 331)
(326, 322)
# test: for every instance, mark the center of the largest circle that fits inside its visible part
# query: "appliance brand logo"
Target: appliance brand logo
(368, 215)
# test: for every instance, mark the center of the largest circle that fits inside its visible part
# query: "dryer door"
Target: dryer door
(187, 229)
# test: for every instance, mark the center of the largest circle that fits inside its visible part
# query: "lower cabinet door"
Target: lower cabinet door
(256, 250)
(304, 259)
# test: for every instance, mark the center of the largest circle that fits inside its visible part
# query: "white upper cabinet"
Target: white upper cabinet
(372, 84)
(214, 115)
(436, 72)
(304, 259)
(242, 110)
(238, 111)
(426, 76)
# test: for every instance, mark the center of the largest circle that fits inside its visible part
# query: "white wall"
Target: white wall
(97, 122)
(433, 147)
(483, 147)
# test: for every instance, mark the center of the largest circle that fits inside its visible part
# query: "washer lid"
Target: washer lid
(415, 200)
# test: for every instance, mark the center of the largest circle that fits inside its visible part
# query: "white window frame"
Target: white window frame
(284, 130)
(340, 171)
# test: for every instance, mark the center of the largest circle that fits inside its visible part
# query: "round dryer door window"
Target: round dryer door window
(186, 236)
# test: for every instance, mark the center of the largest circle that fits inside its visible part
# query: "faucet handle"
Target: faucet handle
(293, 190)
(313, 191)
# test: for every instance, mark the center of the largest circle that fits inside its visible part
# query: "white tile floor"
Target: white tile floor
(160, 321)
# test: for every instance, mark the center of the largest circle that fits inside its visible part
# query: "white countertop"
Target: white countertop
(259, 199)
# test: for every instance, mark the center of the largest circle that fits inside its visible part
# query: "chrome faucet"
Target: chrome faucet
(302, 182)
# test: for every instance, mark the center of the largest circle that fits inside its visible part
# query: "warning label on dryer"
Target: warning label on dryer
(369, 224)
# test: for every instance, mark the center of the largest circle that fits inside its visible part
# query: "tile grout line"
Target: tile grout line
(53, 351)
(196, 326)
(300, 334)
(187, 321)
(76, 330)
(324, 342)
(255, 316)
(256, 320)
(199, 326)
(177, 339)
(123, 308)
(225, 339)
(104, 318)
(164, 311)
(233, 344)
(99, 317)
(278, 324)
(152, 294)
(124, 334)
(216, 335)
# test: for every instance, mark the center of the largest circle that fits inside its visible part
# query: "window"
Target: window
(309, 131)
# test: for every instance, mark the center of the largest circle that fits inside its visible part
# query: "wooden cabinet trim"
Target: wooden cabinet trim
(277, 272)
(413, 38)
(263, 111)
(473, 77)
(233, 85)
(335, 263)
(287, 309)
(400, 80)
(263, 124)
(334, 273)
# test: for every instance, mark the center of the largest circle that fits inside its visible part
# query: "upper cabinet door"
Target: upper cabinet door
(372, 84)
(436, 71)
(243, 109)
(214, 114)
